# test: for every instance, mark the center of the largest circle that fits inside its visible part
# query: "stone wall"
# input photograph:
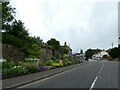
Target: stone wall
(10, 52)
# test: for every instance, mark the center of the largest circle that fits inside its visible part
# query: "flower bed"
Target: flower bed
(13, 71)
(10, 69)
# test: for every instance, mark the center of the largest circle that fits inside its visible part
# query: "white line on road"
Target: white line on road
(93, 83)
(101, 67)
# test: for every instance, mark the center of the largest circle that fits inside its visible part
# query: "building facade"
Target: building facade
(99, 55)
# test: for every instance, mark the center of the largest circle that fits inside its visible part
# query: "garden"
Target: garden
(13, 69)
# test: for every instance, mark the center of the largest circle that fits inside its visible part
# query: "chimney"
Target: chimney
(65, 44)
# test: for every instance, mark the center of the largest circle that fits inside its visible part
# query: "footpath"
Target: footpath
(15, 82)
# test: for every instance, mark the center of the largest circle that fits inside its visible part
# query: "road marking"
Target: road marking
(93, 83)
(101, 67)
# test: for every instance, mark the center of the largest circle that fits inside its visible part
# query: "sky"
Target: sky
(83, 24)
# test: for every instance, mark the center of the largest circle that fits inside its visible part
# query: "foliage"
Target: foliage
(14, 71)
(55, 45)
(63, 50)
(34, 51)
(53, 42)
(30, 66)
(115, 52)
(81, 51)
(7, 15)
(90, 52)
(49, 63)
(8, 64)
(18, 29)
(78, 61)
(22, 44)
(65, 62)
(57, 65)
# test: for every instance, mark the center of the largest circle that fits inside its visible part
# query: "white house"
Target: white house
(80, 56)
(99, 55)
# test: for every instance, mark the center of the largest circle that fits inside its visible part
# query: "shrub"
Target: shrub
(8, 64)
(49, 63)
(56, 65)
(14, 71)
(70, 62)
(65, 62)
(30, 66)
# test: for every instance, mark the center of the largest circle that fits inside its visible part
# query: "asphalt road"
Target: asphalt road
(95, 74)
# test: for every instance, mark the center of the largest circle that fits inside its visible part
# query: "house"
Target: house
(80, 56)
(68, 48)
(99, 55)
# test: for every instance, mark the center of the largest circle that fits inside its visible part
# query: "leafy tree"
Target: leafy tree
(35, 51)
(10, 24)
(81, 51)
(8, 14)
(39, 40)
(89, 53)
(54, 44)
(63, 50)
(18, 29)
(115, 52)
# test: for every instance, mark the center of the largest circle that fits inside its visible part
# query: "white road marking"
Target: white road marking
(93, 83)
(101, 67)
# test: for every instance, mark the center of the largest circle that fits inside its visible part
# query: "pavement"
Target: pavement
(94, 75)
(15, 82)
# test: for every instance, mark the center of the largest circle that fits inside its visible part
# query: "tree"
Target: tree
(81, 51)
(115, 52)
(35, 51)
(63, 50)
(18, 29)
(8, 14)
(40, 41)
(89, 53)
(54, 44)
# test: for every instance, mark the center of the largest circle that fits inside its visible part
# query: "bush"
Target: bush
(49, 63)
(70, 62)
(65, 62)
(30, 66)
(14, 71)
(23, 44)
(56, 64)
(8, 64)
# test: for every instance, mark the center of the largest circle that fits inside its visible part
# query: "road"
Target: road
(95, 74)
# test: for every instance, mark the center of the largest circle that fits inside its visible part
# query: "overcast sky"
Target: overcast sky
(80, 23)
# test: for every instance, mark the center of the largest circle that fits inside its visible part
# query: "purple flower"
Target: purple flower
(42, 69)
(1, 75)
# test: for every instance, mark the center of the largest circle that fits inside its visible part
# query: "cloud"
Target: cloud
(82, 23)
